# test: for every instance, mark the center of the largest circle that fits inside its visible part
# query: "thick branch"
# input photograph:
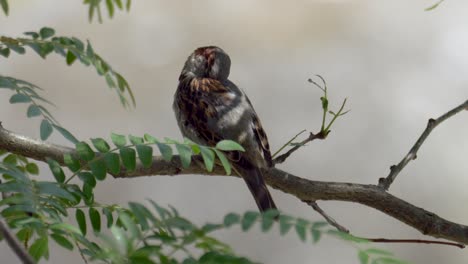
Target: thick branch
(412, 154)
(306, 190)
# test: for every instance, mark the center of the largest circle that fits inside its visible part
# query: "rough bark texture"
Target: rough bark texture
(306, 190)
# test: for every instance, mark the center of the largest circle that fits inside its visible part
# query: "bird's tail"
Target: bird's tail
(253, 177)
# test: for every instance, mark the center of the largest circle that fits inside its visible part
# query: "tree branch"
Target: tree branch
(312, 136)
(14, 244)
(328, 218)
(306, 190)
(412, 154)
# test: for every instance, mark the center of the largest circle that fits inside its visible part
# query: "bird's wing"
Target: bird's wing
(204, 99)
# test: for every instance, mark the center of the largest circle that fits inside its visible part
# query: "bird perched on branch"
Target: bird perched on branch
(210, 108)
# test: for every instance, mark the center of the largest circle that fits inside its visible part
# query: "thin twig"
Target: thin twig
(412, 154)
(14, 244)
(413, 241)
(341, 228)
(328, 218)
(287, 143)
(311, 137)
(81, 253)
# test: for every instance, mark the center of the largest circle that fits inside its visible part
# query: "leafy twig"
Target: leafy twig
(412, 154)
(288, 143)
(434, 6)
(324, 129)
(14, 244)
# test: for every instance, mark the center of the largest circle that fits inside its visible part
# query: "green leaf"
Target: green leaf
(84, 151)
(224, 161)
(33, 111)
(32, 168)
(81, 220)
(46, 129)
(72, 163)
(88, 178)
(54, 189)
(248, 220)
(4, 4)
(100, 144)
(88, 194)
(5, 52)
(66, 134)
(108, 213)
(112, 162)
(56, 170)
(185, 153)
(66, 227)
(301, 228)
(138, 211)
(109, 80)
(324, 103)
(118, 140)
(229, 145)
(24, 234)
(11, 159)
(145, 153)
(129, 224)
(231, 219)
(208, 157)
(150, 139)
(316, 235)
(165, 150)
(15, 47)
(70, 58)
(268, 218)
(110, 8)
(285, 223)
(46, 32)
(95, 219)
(98, 167)
(62, 241)
(32, 34)
(119, 4)
(19, 98)
(39, 248)
(363, 257)
(136, 140)
(128, 158)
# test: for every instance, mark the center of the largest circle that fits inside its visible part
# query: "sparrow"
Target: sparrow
(210, 108)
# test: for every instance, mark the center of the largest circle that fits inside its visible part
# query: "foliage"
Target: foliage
(139, 233)
(45, 42)
(39, 211)
(111, 5)
(94, 7)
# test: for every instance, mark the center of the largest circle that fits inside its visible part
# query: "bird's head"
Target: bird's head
(207, 62)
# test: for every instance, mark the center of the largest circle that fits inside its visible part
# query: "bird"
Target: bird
(210, 108)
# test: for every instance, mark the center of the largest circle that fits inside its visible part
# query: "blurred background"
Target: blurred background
(397, 65)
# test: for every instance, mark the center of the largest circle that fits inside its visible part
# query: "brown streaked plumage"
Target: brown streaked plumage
(210, 108)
